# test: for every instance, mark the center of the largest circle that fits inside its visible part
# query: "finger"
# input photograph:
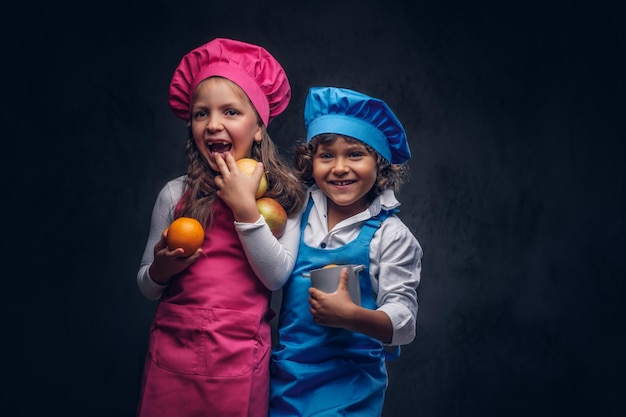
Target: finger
(258, 171)
(231, 162)
(162, 242)
(159, 246)
(221, 164)
(343, 280)
(176, 253)
(314, 293)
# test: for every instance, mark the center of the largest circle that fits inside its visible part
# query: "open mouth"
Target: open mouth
(341, 183)
(220, 147)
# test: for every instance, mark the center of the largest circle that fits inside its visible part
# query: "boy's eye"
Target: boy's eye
(356, 154)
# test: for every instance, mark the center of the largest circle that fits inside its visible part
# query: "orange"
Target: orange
(247, 165)
(330, 266)
(274, 214)
(186, 233)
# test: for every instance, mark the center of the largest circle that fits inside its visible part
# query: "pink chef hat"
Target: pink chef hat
(249, 66)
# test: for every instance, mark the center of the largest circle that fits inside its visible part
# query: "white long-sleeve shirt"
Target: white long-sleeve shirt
(395, 253)
(395, 258)
(271, 259)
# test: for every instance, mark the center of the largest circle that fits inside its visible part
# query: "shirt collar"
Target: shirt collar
(387, 201)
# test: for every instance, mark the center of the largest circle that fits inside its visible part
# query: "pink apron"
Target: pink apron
(209, 343)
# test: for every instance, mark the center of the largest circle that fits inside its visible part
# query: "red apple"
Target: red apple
(274, 214)
(247, 165)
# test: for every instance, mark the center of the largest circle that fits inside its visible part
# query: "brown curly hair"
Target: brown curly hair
(389, 176)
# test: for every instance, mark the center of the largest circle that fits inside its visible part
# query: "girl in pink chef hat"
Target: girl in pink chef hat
(210, 339)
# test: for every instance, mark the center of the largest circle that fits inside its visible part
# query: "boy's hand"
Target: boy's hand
(332, 309)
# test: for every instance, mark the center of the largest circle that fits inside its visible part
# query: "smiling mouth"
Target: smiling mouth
(220, 147)
(340, 183)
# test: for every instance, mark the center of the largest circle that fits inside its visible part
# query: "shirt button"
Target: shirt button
(323, 245)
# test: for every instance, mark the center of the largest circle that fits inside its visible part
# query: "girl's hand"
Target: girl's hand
(168, 263)
(238, 189)
(333, 309)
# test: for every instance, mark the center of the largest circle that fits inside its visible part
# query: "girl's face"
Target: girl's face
(223, 120)
(345, 172)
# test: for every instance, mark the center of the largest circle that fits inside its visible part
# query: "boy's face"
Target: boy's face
(345, 172)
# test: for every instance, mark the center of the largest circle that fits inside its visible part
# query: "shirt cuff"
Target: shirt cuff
(402, 321)
(150, 288)
(243, 227)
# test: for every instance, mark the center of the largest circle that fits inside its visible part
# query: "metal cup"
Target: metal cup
(327, 280)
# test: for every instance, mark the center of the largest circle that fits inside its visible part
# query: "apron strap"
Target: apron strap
(369, 228)
(367, 232)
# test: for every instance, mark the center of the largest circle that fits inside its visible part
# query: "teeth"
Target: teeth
(220, 147)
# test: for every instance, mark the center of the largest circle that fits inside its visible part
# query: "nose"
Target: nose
(340, 166)
(214, 123)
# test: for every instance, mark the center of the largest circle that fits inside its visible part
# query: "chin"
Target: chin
(212, 163)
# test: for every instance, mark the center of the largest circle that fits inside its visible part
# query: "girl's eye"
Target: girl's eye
(356, 154)
(232, 112)
(324, 156)
(200, 114)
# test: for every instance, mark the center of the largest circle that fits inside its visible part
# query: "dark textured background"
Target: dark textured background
(515, 116)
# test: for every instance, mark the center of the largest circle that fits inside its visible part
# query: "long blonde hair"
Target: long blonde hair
(200, 190)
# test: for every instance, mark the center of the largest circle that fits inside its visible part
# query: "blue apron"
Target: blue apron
(325, 371)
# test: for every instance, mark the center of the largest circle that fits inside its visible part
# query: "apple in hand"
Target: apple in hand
(247, 165)
(274, 214)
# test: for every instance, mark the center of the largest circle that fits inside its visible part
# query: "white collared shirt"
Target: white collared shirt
(395, 258)
(395, 254)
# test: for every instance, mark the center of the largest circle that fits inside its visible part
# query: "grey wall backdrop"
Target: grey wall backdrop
(515, 115)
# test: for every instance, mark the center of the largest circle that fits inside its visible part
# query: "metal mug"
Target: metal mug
(327, 279)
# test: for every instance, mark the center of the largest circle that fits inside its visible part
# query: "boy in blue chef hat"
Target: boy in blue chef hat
(330, 355)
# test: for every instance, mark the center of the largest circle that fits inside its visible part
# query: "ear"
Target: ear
(258, 135)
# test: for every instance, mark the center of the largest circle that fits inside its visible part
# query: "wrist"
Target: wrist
(157, 280)
(247, 214)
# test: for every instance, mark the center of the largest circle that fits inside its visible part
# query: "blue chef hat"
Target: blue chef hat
(350, 113)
